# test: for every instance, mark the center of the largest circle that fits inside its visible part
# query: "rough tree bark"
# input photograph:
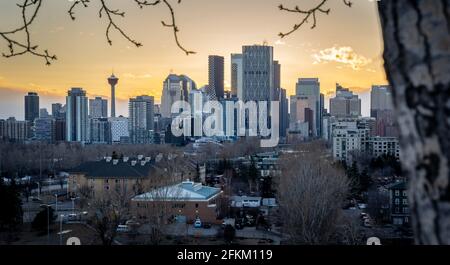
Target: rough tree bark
(417, 63)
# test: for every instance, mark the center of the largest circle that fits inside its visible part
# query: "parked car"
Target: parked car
(35, 199)
(123, 229)
(132, 223)
(72, 217)
(198, 223)
(367, 223)
(206, 225)
(362, 206)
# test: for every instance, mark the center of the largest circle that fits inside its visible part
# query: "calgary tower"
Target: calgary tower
(113, 80)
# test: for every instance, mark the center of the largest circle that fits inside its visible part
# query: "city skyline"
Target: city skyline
(142, 71)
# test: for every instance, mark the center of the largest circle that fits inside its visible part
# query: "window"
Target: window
(196, 205)
(405, 201)
(397, 193)
(405, 193)
(397, 210)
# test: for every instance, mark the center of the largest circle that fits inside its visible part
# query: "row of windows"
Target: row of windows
(397, 193)
(404, 201)
(256, 72)
(405, 210)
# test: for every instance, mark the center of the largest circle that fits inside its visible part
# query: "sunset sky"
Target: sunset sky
(208, 27)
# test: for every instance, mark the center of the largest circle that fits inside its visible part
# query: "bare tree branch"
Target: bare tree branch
(17, 47)
(306, 14)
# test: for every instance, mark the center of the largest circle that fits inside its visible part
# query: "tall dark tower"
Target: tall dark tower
(216, 75)
(31, 106)
(113, 80)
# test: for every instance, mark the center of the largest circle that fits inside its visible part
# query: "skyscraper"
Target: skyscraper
(276, 80)
(141, 119)
(284, 113)
(44, 129)
(43, 113)
(31, 106)
(77, 121)
(98, 108)
(382, 109)
(113, 80)
(380, 99)
(58, 111)
(100, 131)
(175, 88)
(237, 75)
(307, 95)
(258, 71)
(119, 129)
(216, 75)
(345, 103)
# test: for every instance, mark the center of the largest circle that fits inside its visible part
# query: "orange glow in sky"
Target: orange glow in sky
(345, 47)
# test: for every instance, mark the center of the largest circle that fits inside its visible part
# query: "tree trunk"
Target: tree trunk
(417, 63)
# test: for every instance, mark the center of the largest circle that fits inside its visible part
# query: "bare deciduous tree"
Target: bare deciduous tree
(311, 194)
(107, 212)
(416, 35)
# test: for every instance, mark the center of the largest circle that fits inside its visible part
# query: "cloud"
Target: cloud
(280, 42)
(343, 55)
(133, 76)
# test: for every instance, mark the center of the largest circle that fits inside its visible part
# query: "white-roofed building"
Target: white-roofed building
(187, 200)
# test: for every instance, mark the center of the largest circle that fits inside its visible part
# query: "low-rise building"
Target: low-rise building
(185, 201)
(400, 214)
(379, 146)
(125, 176)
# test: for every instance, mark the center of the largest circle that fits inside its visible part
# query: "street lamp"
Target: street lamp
(60, 228)
(39, 190)
(56, 203)
(73, 204)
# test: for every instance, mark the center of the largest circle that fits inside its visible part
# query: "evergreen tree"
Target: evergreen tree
(43, 219)
(197, 174)
(11, 213)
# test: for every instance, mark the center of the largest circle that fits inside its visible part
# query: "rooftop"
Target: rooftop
(116, 168)
(184, 191)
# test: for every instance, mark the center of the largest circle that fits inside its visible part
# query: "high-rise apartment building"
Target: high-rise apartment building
(98, 108)
(141, 119)
(44, 129)
(58, 111)
(31, 106)
(100, 131)
(119, 129)
(14, 130)
(77, 121)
